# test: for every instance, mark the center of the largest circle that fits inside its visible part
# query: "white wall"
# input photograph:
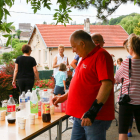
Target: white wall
(24, 38)
(118, 52)
(38, 51)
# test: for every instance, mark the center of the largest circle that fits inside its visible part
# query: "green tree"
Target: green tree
(6, 57)
(13, 27)
(18, 33)
(14, 42)
(44, 22)
(1, 62)
(137, 29)
(17, 50)
(130, 22)
(114, 21)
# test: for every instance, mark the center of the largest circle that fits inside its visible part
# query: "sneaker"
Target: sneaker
(71, 119)
(129, 134)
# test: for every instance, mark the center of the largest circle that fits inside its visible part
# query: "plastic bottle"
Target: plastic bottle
(28, 95)
(39, 107)
(34, 103)
(38, 92)
(11, 109)
(45, 99)
(23, 105)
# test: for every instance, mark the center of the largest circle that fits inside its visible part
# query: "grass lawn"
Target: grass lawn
(5, 108)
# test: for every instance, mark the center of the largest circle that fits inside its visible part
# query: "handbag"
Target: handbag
(125, 98)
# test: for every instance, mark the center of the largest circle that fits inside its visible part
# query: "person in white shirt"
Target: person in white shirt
(60, 58)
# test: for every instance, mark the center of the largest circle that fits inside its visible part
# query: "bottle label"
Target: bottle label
(39, 108)
(11, 108)
(23, 100)
(28, 97)
(34, 107)
(44, 99)
(46, 108)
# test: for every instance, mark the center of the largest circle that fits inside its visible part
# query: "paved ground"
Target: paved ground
(112, 133)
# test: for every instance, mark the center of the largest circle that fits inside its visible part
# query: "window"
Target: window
(39, 56)
(45, 56)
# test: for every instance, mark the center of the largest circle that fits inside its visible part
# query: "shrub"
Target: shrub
(17, 50)
(6, 88)
(7, 57)
(48, 83)
(14, 42)
(1, 62)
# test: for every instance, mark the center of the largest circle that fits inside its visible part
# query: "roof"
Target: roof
(25, 26)
(54, 35)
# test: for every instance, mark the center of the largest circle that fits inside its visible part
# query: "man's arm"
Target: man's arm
(73, 63)
(103, 94)
(59, 99)
(55, 63)
(67, 62)
(104, 91)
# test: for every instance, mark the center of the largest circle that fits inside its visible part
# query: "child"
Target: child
(60, 78)
(119, 61)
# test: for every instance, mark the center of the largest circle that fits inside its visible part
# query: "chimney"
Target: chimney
(87, 25)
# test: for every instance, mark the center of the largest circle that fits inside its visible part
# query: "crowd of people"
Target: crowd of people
(90, 98)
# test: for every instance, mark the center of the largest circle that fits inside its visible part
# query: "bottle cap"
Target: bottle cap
(45, 90)
(28, 90)
(37, 86)
(10, 95)
(33, 88)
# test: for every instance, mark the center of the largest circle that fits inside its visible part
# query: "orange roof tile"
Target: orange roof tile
(54, 35)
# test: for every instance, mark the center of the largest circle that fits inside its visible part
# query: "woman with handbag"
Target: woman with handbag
(129, 101)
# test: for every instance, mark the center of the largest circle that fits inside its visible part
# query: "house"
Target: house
(25, 27)
(4, 49)
(45, 40)
(3, 41)
(25, 35)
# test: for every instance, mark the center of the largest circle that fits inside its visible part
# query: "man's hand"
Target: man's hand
(58, 99)
(85, 122)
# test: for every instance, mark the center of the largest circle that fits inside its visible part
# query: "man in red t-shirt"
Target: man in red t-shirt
(90, 96)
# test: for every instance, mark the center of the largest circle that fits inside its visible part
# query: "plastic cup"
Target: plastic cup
(19, 119)
(2, 115)
(32, 118)
(4, 112)
(22, 123)
(52, 109)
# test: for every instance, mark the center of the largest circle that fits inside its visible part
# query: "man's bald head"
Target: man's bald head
(80, 35)
(81, 43)
(98, 39)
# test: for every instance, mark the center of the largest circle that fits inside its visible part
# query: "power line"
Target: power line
(53, 14)
(47, 14)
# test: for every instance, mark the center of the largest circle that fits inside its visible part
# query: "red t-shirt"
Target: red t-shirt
(84, 87)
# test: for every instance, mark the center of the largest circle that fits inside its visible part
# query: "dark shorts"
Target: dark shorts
(126, 113)
(59, 90)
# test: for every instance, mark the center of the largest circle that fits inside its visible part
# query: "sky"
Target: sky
(77, 16)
